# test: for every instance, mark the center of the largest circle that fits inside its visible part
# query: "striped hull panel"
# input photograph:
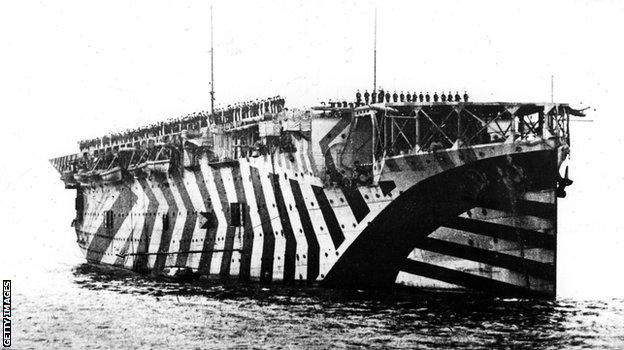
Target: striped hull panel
(292, 228)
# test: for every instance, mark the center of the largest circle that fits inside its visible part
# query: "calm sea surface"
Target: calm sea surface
(71, 305)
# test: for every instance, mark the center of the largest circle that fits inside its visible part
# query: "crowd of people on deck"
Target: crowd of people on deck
(193, 121)
(382, 96)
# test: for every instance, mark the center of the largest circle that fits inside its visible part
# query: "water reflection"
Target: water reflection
(303, 316)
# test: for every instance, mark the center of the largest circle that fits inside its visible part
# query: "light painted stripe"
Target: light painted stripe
(199, 234)
(120, 238)
(327, 255)
(485, 242)
(475, 268)
(410, 280)
(178, 228)
(256, 253)
(215, 264)
(157, 229)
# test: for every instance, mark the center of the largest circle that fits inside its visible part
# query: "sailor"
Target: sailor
(465, 97)
(358, 97)
(344, 104)
(366, 96)
(331, 104)
(435, 97)
(402, 97)
(450, 97)
(395, 97)
(420, 97)
(380, 96)
(408, 97)
(442, 97)
(457, 98)
(427, 97)
(374, 97)
(387, 97)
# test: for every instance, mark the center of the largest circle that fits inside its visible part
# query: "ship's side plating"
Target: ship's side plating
(479, 217)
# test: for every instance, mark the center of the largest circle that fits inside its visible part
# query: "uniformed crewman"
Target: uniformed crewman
(344, 104)
(435, 97)
(457, 98)
(395, 97)
(408, 97)
(449, 97)
(402, 97)
(427, 97)
(387, 97)
(442, 97)
(420, 97)
(358, 97)
(366, 96)
(380, 96)
(465, 97)
(374, 97)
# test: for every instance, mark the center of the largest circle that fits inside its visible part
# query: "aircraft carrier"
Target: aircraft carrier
(376, 193)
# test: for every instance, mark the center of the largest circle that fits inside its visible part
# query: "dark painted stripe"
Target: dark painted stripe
(226, 258)
(415, 163)
(189, 222)
(291, 243)
(103, 237)
(333, 133)
(301, 156)
(268, 244)
(444, 160)
(522, 236)
(392, 165)
(467, 280)
(514, 263)
(525, 207)
(330, 217)
(211, 230)
(356, 202)
(308, 231)
(468, 155)
(141, 262)
(248, 238)
(165, 239)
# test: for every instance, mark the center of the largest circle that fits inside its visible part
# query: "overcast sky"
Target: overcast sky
(78, 69)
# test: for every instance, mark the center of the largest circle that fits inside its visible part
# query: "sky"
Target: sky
(72, 70)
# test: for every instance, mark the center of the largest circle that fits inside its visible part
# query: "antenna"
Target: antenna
(552, 89)
(212, 99)
(375, 55)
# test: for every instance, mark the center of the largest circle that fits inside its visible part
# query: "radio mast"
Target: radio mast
(212, 99)
(375, 55)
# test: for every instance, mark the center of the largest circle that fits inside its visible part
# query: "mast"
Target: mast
(375, 55)
(212, 99)
(552, 89)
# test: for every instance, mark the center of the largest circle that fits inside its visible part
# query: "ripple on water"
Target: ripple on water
(108, 308)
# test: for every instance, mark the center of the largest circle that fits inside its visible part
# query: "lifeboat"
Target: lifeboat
(82, 178)
(94, 176)
(137, 170)
(112, 175)
(136, 165)
(158, 166)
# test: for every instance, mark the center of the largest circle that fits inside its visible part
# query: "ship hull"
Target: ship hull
(479, 219)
